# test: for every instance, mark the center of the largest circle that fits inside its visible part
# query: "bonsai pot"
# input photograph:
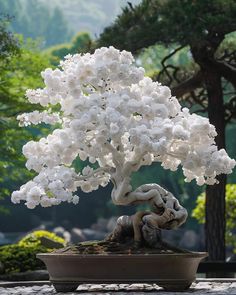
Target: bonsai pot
(173, 272)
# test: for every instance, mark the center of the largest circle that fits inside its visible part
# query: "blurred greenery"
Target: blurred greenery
(91, 16)
(56, 21)
(81, 43)
(16, 258)
(150, 58)
(199, 213)
(8, 42)
(21, 256)
(18, 72)
(33, 19)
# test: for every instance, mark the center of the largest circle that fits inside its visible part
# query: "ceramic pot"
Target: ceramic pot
(174, 272)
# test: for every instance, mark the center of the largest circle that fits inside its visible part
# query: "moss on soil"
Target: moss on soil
(108, 247)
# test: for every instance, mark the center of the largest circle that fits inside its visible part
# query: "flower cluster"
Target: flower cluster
(113, 116)
(36, 117)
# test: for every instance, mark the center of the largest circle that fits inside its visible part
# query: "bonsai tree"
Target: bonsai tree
(111, 115)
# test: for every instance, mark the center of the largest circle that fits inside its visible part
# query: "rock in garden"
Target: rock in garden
(49, 243)
(93, 235)
(77, 236)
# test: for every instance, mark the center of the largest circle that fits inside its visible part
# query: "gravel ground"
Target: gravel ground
(218, 287)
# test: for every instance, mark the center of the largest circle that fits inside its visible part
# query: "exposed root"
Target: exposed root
(137, 225)
(137, 232)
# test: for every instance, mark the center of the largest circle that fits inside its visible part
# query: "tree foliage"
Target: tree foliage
(8, 43)
(170, 22)
(17, 73)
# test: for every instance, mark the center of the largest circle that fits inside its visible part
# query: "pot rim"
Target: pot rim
(110, 255)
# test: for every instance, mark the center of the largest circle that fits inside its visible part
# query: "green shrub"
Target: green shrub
(230, 213)
(34, 238)
(21, 257)
(16, 258)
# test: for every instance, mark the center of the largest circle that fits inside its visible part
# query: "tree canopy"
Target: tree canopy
(168, 22)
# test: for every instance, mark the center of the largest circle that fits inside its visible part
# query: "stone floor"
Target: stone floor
(203, 286)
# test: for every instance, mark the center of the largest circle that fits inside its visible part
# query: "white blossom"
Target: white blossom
(36, 117)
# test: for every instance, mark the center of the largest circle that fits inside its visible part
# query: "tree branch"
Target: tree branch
(227, 71)
(98, 170)
(171, 54)
(116, 156)
(230, 109)
(164, 67)
(188, 85)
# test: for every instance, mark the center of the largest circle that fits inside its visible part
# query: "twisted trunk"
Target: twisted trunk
(145, 226)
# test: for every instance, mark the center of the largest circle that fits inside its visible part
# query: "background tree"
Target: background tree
(57, 30)
(33, 19)
(202, 26)
(8, 48)
(8, 43)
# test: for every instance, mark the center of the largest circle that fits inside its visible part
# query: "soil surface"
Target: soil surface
(108, 247)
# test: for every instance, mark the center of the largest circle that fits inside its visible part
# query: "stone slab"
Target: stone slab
(200, 287)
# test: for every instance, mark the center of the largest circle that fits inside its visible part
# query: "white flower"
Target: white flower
(16, 197)
(34, 194)
(86, 187)
(75, 200)
(114, 128)
(180, 133)
(46, 202)
(31, 204)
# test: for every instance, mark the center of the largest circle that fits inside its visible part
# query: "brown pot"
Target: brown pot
(173, 272)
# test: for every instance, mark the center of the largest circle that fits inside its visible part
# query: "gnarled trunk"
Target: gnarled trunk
(145, 226)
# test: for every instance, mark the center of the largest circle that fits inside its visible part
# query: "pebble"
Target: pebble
(94, 287)
(200, 288)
